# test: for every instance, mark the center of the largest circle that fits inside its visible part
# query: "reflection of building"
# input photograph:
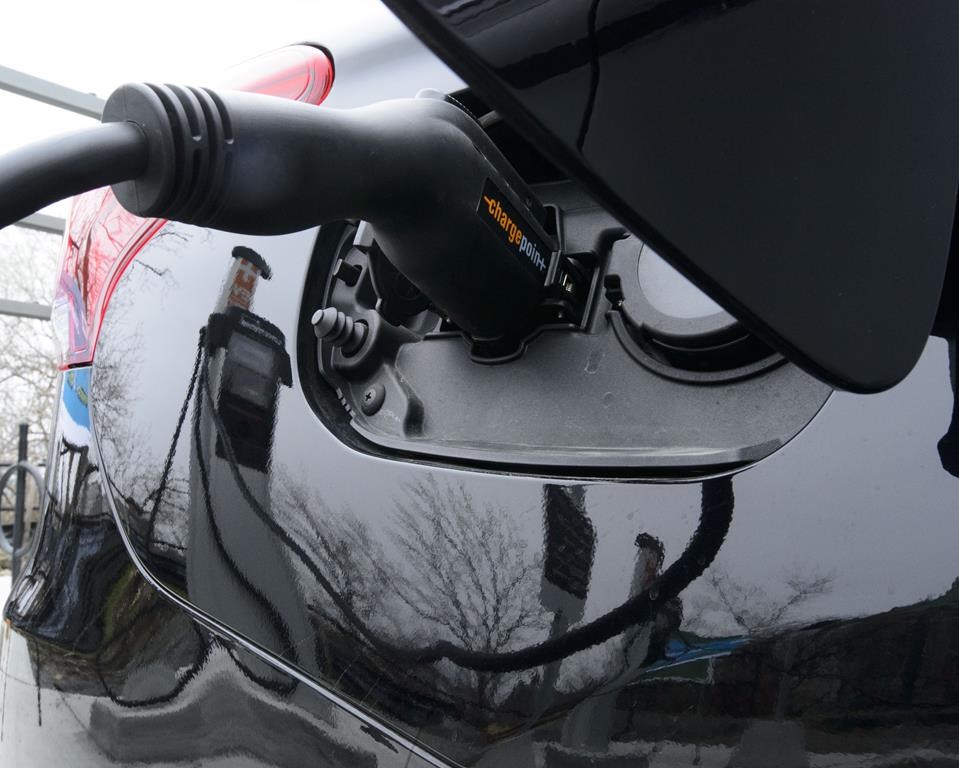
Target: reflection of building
(844, 681)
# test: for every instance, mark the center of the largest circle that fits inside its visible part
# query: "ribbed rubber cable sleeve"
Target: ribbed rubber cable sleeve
(63, 166)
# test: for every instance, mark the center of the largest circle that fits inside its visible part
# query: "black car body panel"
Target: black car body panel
(816, 606)
(102, 668)
(202, 600)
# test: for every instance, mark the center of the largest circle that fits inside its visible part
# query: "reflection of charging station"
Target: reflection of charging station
(248, 363)
(570, 546)
(586, 732)
(244, 365)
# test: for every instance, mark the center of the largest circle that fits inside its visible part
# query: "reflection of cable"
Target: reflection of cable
(168, 463)
(714, 521)
(279, 624)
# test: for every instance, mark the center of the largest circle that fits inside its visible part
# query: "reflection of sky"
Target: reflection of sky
(76, 389)
(73, 419)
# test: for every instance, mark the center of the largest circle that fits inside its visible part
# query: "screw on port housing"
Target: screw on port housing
(373, 399)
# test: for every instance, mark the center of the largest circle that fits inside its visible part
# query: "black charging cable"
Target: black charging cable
(448, 209)
(47, 171)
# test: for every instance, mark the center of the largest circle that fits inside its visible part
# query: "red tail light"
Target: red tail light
(101, 238)
(297, 72)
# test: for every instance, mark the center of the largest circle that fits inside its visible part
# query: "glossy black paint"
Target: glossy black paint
(99, 667)
(789, 156)
(826, 617)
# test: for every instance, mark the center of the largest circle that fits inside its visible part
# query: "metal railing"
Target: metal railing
(15, 546)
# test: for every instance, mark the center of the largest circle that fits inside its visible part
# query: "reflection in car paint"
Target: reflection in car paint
(824, 629)
(414, 554)
(241, 362)
(97, 665)
(505, 614)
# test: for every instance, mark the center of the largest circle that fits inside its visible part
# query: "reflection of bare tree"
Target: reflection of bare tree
(434, 540)
(461, 571)
(472, 577)
(124, 440)
(466, 573)
(28, 369)
(341, 544)
(751, 609)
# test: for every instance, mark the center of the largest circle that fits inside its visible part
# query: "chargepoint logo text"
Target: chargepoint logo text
(503, 215)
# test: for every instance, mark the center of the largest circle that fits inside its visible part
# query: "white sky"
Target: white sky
(97, 45)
